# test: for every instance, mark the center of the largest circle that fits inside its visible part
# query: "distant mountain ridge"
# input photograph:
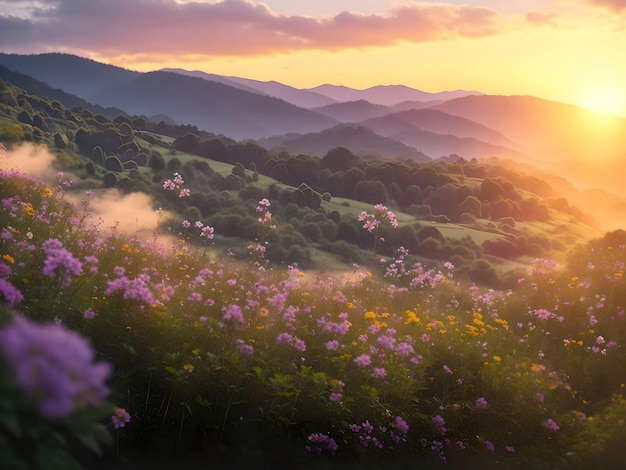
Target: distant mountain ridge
(464, 123)
(387, 95)
(359, 139)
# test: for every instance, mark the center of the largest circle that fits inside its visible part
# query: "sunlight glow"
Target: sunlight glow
(606, 100)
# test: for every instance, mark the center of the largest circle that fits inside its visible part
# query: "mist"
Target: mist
(131, 214)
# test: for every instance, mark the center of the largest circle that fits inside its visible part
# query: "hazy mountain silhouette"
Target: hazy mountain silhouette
(212, 78)
(353, 111)
(547, 129)
(211, 106)
(301, 98)
(72, 74)
(359, 139)
(387, 95)
(31, 85)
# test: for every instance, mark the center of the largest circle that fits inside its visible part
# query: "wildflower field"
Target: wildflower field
(117, 347)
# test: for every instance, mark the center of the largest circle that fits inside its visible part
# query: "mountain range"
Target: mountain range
(386, 121)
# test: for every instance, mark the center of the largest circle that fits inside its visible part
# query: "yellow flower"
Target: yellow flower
(195, 352)
(29, 210)
(497, 359)
(189, 367)
(47, 192)
(370, 315)
(503, 323)
(9, 259)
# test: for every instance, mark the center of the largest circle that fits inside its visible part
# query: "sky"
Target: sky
(563, 50)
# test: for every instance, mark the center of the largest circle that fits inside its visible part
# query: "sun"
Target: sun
(607, 100)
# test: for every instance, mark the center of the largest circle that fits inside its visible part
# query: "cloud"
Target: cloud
(540, 18)
(616, 6)
(153, 28)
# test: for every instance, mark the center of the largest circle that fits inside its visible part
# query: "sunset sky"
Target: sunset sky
(565, 50)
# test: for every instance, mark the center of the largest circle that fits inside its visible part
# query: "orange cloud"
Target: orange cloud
(228, 28)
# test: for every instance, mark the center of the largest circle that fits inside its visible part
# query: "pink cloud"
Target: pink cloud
(540, 18)
(613, 5)
(151, 28)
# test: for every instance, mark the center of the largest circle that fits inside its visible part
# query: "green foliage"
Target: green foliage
(112, 163)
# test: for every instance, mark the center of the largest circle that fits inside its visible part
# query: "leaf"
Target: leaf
(200, 400)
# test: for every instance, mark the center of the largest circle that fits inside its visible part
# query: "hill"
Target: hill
(359, 139)
(76, 75)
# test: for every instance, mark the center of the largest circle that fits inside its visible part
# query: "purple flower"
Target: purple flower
(300, 345)
(244, 348)
(284, 338)
(89, 314)
(440, 423)
(120, 418)
(551, 425)
(55, 366)
(12, 295)
(323, 439)
(386, 341)
(60, 262)
(401, 425)
(335, 397)
(379, 373)
(363, 360)
(233, 313)
(332, 345)
(404, 349)
(489, 446)
(480, 403)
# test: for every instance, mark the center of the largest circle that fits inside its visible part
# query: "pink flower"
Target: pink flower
(335, 397)
(120, 418)
(379, 373)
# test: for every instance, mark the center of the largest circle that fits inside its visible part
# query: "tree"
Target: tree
(113, 163)
(156, 162)
(59, 141)
(109, 180)
(338, 159)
